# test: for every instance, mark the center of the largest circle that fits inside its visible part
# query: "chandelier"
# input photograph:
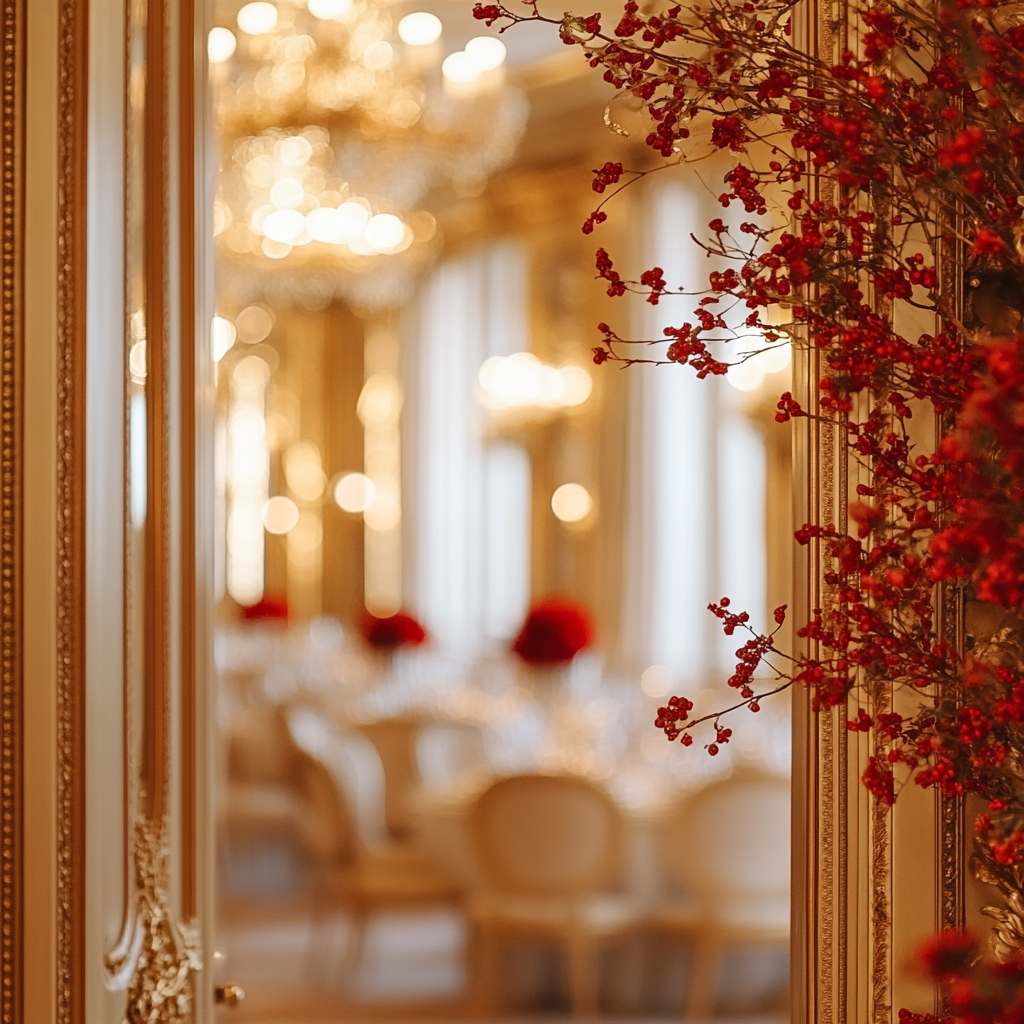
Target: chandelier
(340, 126)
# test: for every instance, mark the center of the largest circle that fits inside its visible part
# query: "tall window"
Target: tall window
(469, 499)
(695, 512)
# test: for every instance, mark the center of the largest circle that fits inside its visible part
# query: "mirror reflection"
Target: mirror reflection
(459, 566)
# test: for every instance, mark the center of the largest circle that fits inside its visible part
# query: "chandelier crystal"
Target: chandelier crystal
(340, 123)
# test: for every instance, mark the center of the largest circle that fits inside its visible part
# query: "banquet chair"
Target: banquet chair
(258, 799)
(394, 739)
(361, 868)
(449, 754)
(728, 845)
(548, 847)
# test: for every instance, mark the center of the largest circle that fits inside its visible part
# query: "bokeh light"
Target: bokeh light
(354, 492)
(258, 18)
(280, 515)
(419, 29)
(220, 44)
(571, 503)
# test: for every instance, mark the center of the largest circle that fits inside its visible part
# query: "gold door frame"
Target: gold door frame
(866, 887)
(53, 898)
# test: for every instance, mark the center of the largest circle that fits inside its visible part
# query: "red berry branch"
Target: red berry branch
(889, 182)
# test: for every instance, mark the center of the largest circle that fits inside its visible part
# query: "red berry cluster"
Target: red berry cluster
(884, 182)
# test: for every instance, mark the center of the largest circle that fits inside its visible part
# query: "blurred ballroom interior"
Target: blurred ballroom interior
(414, 449)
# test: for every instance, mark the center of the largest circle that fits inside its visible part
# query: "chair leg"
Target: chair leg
(704, 979)
(485, 972)
(322, 914)
(352, 961)
(583, 976)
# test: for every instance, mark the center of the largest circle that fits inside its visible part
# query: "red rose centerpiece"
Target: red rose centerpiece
(393, 631)
(554, 632)
(266, 610)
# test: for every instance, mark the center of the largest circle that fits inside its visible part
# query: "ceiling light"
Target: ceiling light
(287, 193)
(296, 151)
(284, 226)
(220, 44)
(384, 231)
(486, 52)
(419, 29)
(329, 10)
(257, 19)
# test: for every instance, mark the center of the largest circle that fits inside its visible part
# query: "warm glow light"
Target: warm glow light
(251, 372)
(384, 231)
(296, 151)
(223, 336)
(460, 68)
(355, 492)
(745, 376)
(137, 361)
(247, 427)
(523, 380)
(571, 503)
(380, 400)
(486, 52)
(280, 515)
(325, 225)
(308, 534)
(353, 220)
(221, 216)
(776, 357)
(284, 226)
(379, 55)
(419, 29)
(576, 384)
(254, 324)
(257, 19)
(749, 374)
(287, 193)
(329, 10)
(220, 44)
(384, 513)
(275, 250)
(302, 471)
(656, 681)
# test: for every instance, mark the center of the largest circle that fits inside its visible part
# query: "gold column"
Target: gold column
(379, 408)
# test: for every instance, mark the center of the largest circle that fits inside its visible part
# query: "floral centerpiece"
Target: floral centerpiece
(391, 632)
(554, 632)
(266, 609)
(881, 234)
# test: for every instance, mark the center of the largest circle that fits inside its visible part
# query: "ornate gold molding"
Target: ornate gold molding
(161, 991)
(70, 549)
(951, 811)
(10, 337)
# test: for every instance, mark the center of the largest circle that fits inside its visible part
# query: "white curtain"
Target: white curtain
(695, 525)
(467, 500)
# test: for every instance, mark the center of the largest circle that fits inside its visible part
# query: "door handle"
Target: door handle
(228, 995)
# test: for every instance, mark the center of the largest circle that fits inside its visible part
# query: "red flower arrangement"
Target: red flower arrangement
(978, 991)
(554, 632)
(894, 177)
(267, 609)
(391, 632)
